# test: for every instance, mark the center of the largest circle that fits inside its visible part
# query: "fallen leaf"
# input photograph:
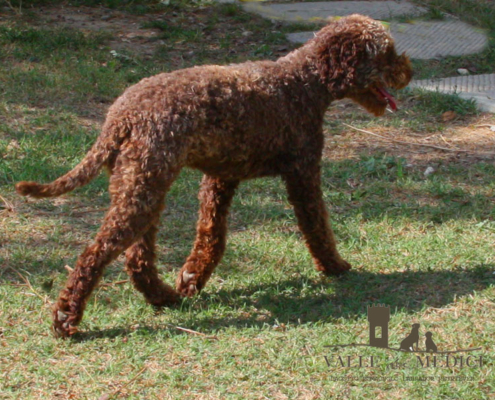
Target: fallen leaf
(448, 116)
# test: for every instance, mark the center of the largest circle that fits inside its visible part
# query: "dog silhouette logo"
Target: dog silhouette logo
(379, 317)
(429, 343)
(413, 338)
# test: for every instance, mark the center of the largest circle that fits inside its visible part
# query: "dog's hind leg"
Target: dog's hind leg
(137, 199)
(303, 186)
(215, 197)
(140, 265)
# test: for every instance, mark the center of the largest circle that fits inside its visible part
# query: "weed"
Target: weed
(437, 103)
(229, 9)
(172, 32)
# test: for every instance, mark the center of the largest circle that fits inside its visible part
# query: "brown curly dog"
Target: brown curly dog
(233, 123)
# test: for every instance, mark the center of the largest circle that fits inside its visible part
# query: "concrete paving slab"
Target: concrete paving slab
(311, 11)
(428, 39)
(478, 87)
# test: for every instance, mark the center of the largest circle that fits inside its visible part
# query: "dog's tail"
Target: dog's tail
(106, 145)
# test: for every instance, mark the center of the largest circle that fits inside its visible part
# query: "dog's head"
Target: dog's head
(356, 58)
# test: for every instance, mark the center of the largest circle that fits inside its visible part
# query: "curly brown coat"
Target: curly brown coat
(233, 123)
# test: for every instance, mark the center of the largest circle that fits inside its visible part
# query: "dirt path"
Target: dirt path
(127, 30)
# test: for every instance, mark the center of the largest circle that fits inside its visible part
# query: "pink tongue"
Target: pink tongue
(389, 97)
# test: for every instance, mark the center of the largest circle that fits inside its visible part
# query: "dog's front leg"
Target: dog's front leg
(303, 186)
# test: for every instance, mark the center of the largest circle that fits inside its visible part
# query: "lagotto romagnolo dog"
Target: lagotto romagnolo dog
(233, 123)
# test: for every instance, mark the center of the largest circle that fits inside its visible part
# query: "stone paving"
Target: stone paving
(419, 39)
(426, 40)
(478, 87)
(311, 11)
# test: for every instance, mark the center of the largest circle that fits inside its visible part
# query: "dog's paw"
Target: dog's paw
(166, 297)
(337, 267)
(62, 327)
(187, 283)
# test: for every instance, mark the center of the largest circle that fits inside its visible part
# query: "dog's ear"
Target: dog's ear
(338, 56)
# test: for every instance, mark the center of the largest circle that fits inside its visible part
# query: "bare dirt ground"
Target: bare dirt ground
(126, 29)
(459, 139)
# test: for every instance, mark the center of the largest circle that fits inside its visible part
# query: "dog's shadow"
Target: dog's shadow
(299, 300)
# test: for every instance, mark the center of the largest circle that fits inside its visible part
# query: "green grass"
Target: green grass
(431, 14)
(423, 246)
(172, 32)
(137, 7)
(40, 68)
(419, 245)
(220, 34)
